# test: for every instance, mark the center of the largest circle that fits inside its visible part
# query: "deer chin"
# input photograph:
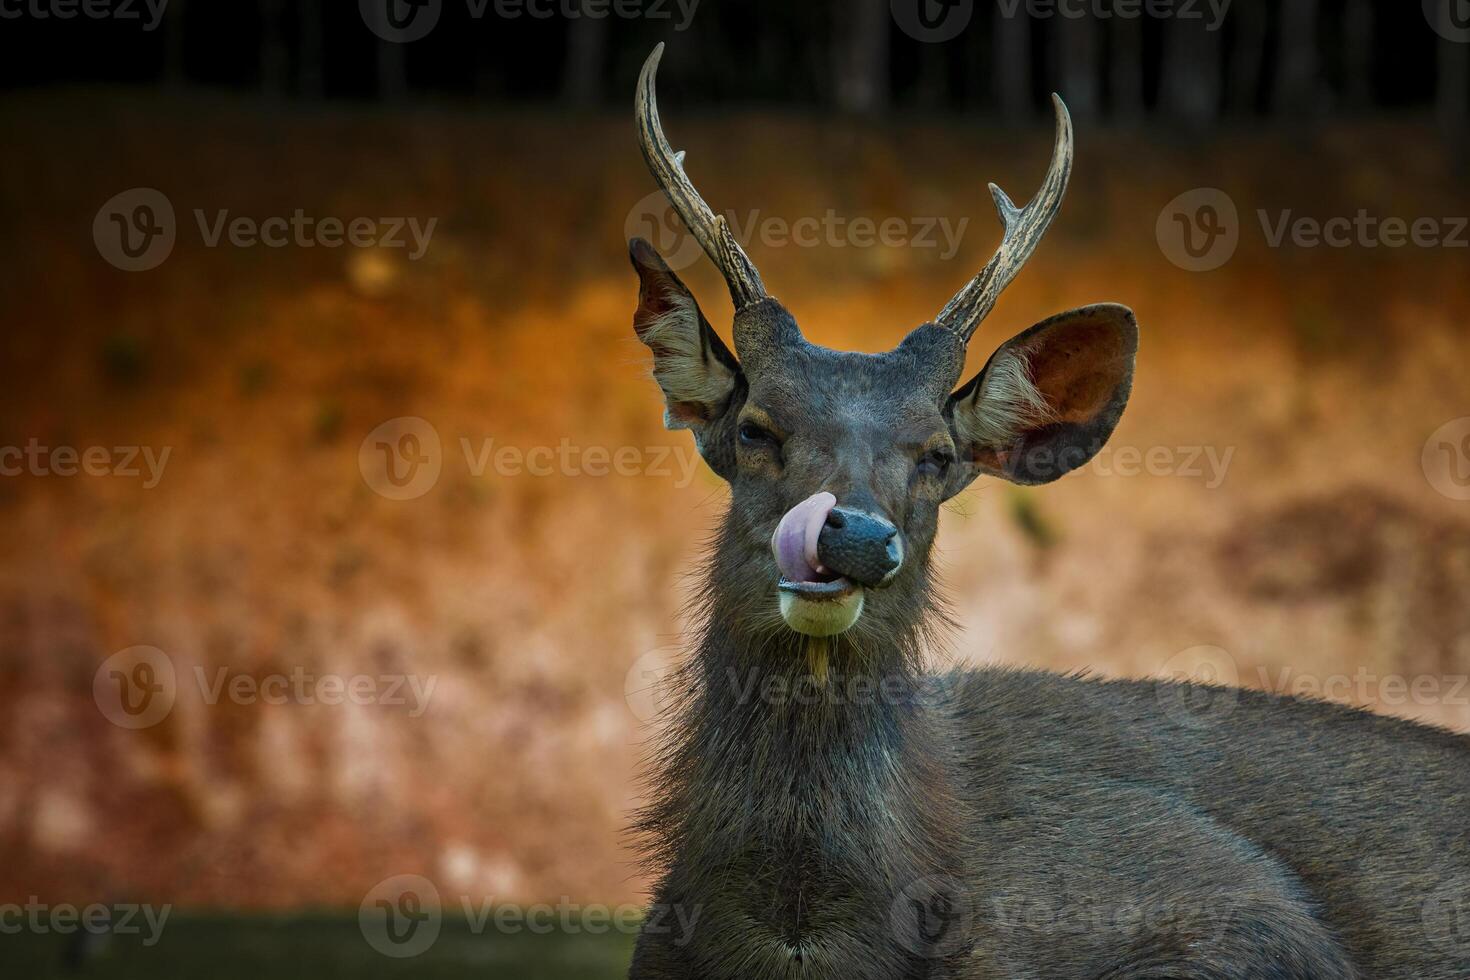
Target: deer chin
(820, 608)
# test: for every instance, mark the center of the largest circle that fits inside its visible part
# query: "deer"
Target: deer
(824, 806)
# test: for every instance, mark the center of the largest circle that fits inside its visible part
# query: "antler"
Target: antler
(709, 229)
(1023, 231)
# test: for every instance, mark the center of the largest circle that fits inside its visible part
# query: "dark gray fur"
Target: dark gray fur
(872, 822)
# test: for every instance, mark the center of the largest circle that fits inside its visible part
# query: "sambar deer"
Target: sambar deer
(825, 809)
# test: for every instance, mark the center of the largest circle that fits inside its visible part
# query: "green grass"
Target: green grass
(283, 949)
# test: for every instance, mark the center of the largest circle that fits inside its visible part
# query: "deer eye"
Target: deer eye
(935, 463)
(754, 436)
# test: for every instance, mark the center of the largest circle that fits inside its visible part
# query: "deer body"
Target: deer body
(1023, 826)
(826, 809)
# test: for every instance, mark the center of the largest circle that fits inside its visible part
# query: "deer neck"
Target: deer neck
(830, 760)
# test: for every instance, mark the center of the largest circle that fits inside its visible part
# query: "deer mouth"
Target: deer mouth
(814, 600)
(822, 608)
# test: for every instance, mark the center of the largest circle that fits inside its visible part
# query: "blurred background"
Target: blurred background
(343, 546)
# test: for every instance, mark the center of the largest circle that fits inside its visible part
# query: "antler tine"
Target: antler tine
(1023, 231)
(709, 229)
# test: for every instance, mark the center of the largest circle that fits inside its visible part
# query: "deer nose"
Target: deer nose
(860, 546)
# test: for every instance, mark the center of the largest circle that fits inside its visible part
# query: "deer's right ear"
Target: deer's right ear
(700, 378)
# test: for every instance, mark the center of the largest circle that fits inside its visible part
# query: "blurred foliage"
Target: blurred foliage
(324, 948)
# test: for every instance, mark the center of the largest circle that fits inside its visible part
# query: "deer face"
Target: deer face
(838, 462)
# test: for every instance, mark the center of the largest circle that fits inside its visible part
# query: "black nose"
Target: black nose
(860, 546)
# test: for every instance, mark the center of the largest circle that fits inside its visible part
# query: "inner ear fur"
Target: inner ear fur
(1048, 399)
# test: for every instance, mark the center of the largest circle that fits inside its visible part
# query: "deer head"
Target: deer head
(838, 462)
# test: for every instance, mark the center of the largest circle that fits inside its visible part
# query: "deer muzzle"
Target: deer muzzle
(827, 556)
(860, 546)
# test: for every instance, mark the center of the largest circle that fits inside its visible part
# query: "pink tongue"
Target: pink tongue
(795, 540)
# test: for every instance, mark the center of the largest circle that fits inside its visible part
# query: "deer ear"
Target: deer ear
(1048, 399)
(699, 376)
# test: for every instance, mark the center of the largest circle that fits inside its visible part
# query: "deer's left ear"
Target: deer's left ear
(700, 378)
(1048, 399)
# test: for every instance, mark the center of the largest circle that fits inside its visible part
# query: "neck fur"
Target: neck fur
(800, 776)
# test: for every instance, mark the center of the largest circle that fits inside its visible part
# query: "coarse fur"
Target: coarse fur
(840, 814)
(1007, 404)
(825, 809)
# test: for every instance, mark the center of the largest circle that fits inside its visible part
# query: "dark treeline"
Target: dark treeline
(1187, 61)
